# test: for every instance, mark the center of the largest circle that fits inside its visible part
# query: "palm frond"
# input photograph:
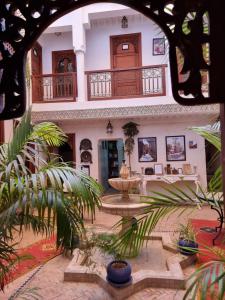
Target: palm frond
(52, 199)
(49, 133)
(211, 133)
(207, 280)
(20, 138)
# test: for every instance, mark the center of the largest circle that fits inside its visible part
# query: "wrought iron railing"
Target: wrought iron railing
(54, 87)
(127, 83)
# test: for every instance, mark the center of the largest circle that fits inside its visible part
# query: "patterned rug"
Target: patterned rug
(41, 252)
(206, 239)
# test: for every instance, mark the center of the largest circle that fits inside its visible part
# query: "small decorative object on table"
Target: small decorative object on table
(158, 169)
(149, 171)
(168, 169)
(187, 240)
(187, 170)
(119, 273)
(180, 171)
(174, 171)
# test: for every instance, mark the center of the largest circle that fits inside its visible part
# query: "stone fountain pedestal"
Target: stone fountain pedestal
(124, 204)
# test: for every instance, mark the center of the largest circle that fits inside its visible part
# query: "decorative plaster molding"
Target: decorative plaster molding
(117, 20)
(153, 111)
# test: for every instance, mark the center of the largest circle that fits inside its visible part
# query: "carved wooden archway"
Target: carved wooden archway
(23, 21)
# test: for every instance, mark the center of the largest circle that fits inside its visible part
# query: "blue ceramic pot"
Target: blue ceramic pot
(187, 244)
(119, 272)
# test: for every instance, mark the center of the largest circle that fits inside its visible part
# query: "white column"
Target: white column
(81, 78)
(79, 44)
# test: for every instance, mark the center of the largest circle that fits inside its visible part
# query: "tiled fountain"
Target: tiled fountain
(157, 265)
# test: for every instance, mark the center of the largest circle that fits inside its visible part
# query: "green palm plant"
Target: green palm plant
(37, 201)
(210, 278)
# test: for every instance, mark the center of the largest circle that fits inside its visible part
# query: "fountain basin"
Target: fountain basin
(124, 184)
(115, 205)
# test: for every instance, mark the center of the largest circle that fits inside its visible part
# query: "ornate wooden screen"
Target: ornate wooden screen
(22, 22)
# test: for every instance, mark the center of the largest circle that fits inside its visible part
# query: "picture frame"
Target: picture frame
(175, 148)
(86, 169)
(147, 149)
(158, 168)
(158, 46)
(187, 169)
(180, 171)
(193, 144)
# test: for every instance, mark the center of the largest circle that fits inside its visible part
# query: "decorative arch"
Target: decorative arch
(23, 21)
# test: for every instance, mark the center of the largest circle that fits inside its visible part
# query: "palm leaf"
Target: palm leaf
(38, 201)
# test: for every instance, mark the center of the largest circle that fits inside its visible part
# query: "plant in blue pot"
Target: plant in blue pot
(119, 273)
(187, 240)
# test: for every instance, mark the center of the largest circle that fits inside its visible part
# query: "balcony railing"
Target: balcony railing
(54, 87)
(127, 83)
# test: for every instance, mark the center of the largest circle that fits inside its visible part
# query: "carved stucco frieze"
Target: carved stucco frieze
(125, 112)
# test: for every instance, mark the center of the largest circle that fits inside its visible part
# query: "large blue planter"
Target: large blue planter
(119, 272)
(187, 244)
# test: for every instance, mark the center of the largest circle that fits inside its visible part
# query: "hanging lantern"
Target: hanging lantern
(124, 22)
(109, 128)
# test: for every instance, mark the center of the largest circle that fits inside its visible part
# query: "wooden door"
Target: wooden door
(36, 69)
(126, 54)
(63, 62)
(67, 150)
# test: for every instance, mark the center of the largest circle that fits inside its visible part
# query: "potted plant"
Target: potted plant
(119, 273)
(187, 240)
(130, 130)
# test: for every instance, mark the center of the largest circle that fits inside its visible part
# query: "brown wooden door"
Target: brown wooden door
(36, 69)
(63, 62)
(126, 54)
(67, 150)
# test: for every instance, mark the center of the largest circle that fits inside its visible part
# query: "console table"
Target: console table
(168, 179)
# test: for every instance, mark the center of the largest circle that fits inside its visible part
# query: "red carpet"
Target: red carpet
(205, 239)
(41, 252)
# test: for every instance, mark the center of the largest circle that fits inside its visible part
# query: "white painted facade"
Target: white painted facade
(87, 31)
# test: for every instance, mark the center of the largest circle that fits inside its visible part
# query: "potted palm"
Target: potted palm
(37, 201)
(187, 240)
(130, 130)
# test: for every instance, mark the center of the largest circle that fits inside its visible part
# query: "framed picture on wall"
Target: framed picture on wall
(147, 149)
(158, 46)
(175, 148)
(86, 169)
(193, 145)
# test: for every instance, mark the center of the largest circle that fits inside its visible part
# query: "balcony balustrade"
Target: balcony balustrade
(127, 83)
(54, 87)
(139, 82)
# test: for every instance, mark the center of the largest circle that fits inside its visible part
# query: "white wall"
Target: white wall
(8, 130)
(96, 131)
(98, 41)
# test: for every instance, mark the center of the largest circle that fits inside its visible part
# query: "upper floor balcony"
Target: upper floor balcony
(147, 81)
(60, 87)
